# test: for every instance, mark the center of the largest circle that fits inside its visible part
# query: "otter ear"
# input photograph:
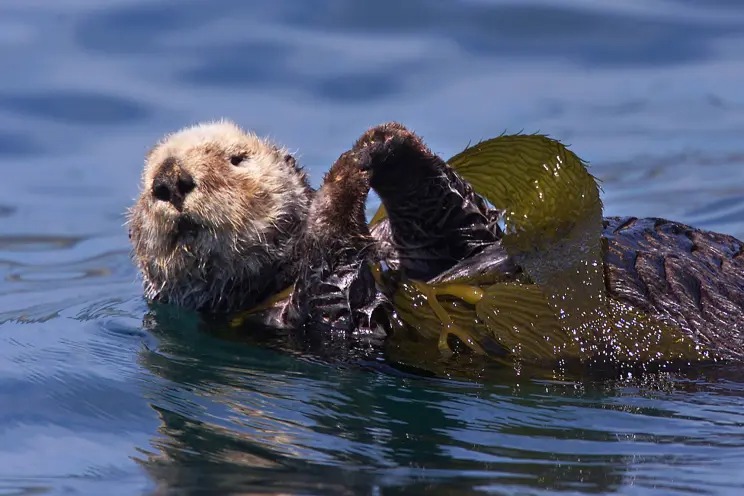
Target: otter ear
(290, 160)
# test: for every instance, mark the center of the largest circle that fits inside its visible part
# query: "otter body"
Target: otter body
(226, 219)
(689, 277)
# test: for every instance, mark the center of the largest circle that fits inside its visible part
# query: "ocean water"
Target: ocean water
(94, 399)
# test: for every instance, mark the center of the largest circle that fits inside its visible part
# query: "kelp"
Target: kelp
(552, 214)
(559, 312)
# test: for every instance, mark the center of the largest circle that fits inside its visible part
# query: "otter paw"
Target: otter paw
(380, 144)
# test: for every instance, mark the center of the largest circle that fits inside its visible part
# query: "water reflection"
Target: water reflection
(236, 415)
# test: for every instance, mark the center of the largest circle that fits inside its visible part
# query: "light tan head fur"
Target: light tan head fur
(221, 239)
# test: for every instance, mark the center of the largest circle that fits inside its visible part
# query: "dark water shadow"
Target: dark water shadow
(584, 36)
(247, 57)
(75, 107)
(14, 144)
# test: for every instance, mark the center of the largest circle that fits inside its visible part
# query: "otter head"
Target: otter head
(216, 217)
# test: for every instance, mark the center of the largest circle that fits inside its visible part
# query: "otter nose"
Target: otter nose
(172, 184)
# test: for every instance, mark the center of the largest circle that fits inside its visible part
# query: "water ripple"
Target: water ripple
(75, 107)
(101, 393)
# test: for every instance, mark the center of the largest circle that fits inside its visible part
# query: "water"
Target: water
(95, 400)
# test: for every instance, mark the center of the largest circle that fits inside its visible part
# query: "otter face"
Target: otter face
(217, 209)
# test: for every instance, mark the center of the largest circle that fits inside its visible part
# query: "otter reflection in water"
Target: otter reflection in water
(225, 220)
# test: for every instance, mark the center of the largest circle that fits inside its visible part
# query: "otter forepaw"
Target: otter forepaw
(383, 144)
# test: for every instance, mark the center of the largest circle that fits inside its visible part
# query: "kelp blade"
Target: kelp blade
(552, 213)
(553, 218)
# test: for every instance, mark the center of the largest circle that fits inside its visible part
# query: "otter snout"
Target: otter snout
(172, 183)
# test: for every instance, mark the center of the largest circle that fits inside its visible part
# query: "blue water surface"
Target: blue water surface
(95, 400)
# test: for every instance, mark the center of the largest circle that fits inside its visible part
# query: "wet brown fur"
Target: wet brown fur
(335, 288)
(435, 219)
(338, 211)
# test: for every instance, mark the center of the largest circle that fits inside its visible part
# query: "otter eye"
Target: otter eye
(237, 159)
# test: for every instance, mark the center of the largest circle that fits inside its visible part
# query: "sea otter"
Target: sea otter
(225, 219)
